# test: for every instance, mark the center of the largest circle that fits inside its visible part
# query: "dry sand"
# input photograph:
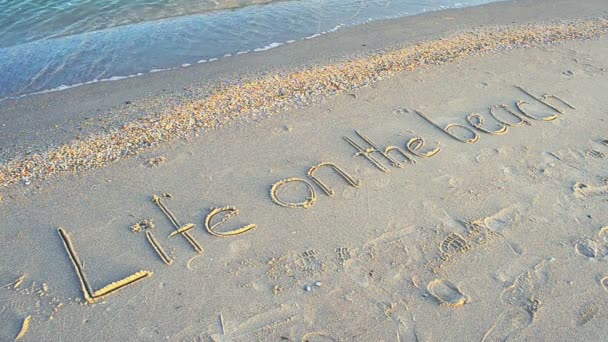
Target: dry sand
(500, 239)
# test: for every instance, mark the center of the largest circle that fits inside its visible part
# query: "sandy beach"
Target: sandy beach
(430, 178)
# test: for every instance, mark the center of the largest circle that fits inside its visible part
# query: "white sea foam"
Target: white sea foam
(268, 47)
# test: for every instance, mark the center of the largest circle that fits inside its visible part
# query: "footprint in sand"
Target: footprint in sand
(507, 324)
(487, 155)
(522, 305)
(585, 190)
(262, 326)
(447, 293)
(311, 262)
(525, 288)
(595, 154)
(318, 337)
(343, 256)
(452, 244)
(587, 313)
(503, 220)
(586, 248)
(594, 248)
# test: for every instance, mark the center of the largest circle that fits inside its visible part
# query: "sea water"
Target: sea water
(55, 44)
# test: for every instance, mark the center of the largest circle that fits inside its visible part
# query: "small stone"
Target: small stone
(307, 288)
(318, 283)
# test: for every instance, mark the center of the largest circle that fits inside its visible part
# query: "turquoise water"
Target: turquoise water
(24, 21)
(54, 44)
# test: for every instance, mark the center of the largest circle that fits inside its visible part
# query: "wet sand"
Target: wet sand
(500, 238)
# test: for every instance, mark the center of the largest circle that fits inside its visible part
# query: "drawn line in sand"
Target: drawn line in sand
(368, 154)
(520, 106)
(158, 249)
(182, 229)
(447, 293)
(555, 97)
(222, 328)
(477, 121)
(232, 211)
(407, 159)
(447, 129)
(176, 224)
(24, 327)
(328, 191)
(604, 283)
(16, 283)
(89, 295)
(521, 121)
(416, 143)
(376, 148)
(188, 266)
(544, 98)
(307, 203)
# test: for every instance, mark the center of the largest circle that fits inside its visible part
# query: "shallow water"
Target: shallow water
(57, 44)
(28, 20)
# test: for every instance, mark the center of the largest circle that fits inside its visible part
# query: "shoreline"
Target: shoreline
(254, 98)
(184, 40)
(92, 108)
